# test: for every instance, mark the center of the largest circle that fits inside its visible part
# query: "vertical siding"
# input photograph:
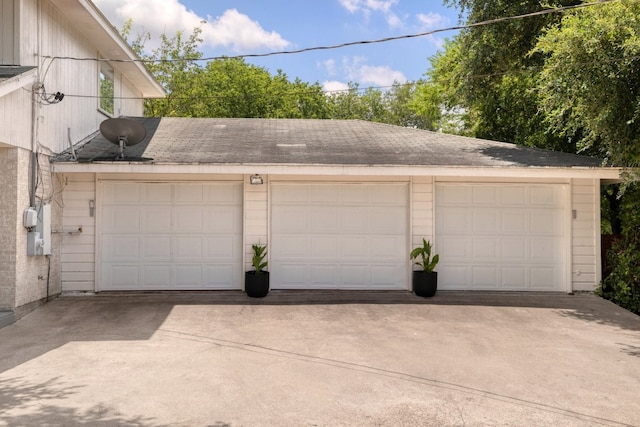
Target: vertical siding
(256, 216)
(78, 249)
(8, 55)
(585, 230)
(421, 210)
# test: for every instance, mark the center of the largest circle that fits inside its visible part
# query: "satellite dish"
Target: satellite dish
(123, 132)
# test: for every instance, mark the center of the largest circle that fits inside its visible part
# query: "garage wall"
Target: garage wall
(421, 210)
(256, 217)
(585, 228)
(78, 249)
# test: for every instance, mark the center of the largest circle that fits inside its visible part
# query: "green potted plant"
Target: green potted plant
(256, 281)
(425, 280)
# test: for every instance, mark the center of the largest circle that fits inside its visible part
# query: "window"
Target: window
(106, 88)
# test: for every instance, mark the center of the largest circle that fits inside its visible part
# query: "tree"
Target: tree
(590, 82)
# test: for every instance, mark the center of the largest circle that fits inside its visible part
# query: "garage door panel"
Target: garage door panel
(484, 195)
(187, 276)
(173, 236)
(453, 220)
(323, 219)
(354, 220)
(155, 219)
(290, 247)
(485, 221)
(392, 248)
(155, 248)
(289, 275)
(385, 276)
(222, 219)
(219, 276)
(121, 219)
(156, 277)
(187, 219)
(514, 221)
(545, 196)
(354, 195)
(354, 277)
(187, 247)
(340, 232)
(120, 247)
(123, 276)
(486, 248)
(546, 222)
(513, 250)
(516, 234)
(388, 220)
(514, 195)
(217, 247)
(323, 247)
(123, 193)
(514, 278)
(289, 219)
(221, 195)
(485, 277)
(157, 194)
(355, 247)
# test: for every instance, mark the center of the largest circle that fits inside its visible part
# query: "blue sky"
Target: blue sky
(257, 26)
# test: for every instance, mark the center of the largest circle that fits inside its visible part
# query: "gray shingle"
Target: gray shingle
(319, 142)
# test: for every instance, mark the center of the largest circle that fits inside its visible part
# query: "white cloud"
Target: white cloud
(330, 66)
(367, 7)
(432, 21)
(357, 70)
(232, 29)
(334, 86)
(381, 75)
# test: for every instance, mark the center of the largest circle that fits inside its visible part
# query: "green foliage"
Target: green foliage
(425, 261)
(590, 83)
(622, 286)
(259, 254)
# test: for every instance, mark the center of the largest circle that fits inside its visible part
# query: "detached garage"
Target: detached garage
(339, 205)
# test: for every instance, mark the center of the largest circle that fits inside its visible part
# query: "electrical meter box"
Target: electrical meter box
(38, 238)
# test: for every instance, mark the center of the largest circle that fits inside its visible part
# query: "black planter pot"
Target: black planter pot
(425, 283)
(256, 285)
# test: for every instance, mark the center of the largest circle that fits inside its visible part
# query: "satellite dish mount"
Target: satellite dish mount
(123, 132)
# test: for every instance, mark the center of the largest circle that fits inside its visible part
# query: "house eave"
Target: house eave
(609, 174)
(19, 81)
(96, 27)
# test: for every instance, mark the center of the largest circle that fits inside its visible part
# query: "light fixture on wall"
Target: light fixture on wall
(92, 207)
(256, 179)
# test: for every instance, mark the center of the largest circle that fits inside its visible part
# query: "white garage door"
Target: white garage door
(339, 236)
(501, 236)
(171, 236)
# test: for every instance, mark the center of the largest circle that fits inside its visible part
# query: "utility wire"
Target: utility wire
(561, 9)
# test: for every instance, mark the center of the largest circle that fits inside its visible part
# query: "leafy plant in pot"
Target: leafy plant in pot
(256, 281)
(425, 281)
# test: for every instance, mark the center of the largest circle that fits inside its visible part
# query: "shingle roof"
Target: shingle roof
(315, 142)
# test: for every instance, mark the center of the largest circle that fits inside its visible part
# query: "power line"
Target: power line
(561, 9)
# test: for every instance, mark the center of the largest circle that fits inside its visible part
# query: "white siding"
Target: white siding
(421, 210)
(8, 46)
(585, 228)
(256, 217)
(78, 249)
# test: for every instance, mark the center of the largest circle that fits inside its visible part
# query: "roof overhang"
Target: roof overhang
(608, 174)
(97, 28)
(18, 80)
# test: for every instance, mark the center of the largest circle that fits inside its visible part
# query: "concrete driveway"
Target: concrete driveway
(322, 359)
